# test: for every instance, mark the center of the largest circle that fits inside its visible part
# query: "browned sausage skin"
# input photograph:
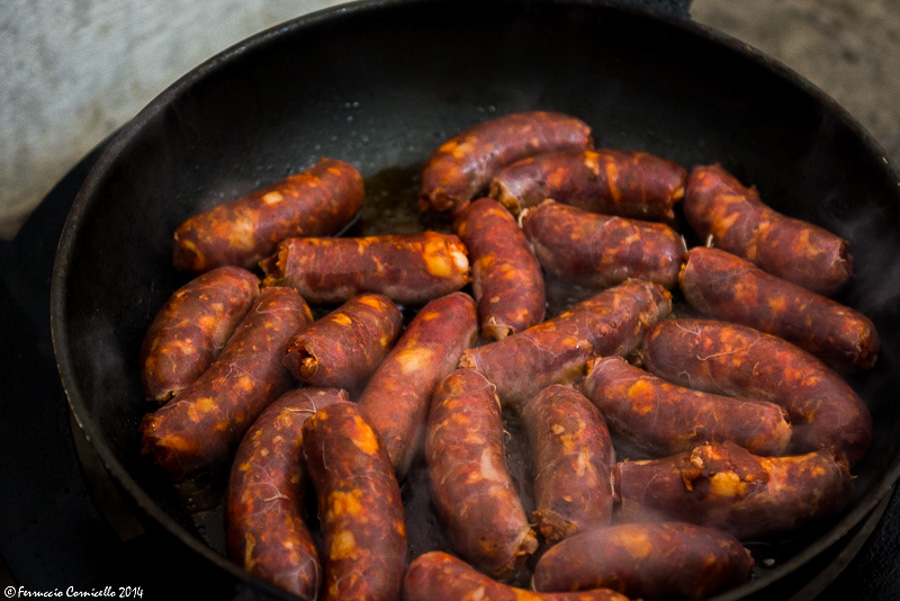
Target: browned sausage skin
(265, 528)
(725, 486)
(360, 508)
(573, 457)
(739, 361)
(407, 268)
(724, 286)
(462, 167)
(614, 182)
(205, 423)
(315, 202)
(506, 278)
(397, 396)
(657, 561)
(661, 418)
(717, 205)
(472, 490)
(191, 329)
(602, 250)
(438, 576)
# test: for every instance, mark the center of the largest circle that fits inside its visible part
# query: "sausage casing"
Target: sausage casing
(266, 530)
(315, 202)
(573, 457)
(191, 329)
(506, 278)
(360, 509)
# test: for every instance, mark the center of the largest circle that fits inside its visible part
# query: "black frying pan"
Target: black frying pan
(381, 84)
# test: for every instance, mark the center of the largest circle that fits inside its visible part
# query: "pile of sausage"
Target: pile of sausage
(659, 443)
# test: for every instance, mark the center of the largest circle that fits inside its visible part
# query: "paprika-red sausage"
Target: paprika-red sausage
(462, 167)
(316, 202)
(192, 328)
(735, 360)
(717, 205)
(265, 526)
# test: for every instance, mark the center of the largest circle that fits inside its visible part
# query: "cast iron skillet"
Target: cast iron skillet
(381, 84)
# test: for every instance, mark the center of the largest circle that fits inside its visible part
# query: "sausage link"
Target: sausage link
(360, 509)
(315, 202)
(407, 268)
(739, 361)
(602, 250)
(397, 396)
(724, 286)
(205, 423)
(717, 205)
(725, 486)
(343, 348)
(462, 167)
(573, 457)
(614, 182)
(506, 278)
(471, 488)
(192, 328)
(661, 418)
(265, 525)
(438, 576)
(557, 350)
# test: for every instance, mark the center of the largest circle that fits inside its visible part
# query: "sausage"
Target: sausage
(655, 561)
(506, 278)
(397, 396)
(265, 525)
(661, 418)
(438, 576)
(739, 361)
(573, 457)
(206, 421)
(557, 350)
(343, 348)
(613, 182)
(716, 205)
(316, 202)
(462, 167)
(472, 491)
(191, 329)
(360, 509)
(602, 250)
(410, 269)
(725, 486)
(724, 286)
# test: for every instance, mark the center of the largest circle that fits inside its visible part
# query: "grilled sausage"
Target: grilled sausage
(315, 202)
(724, 286)
(205, 423)
(602, 250)
(717, 205)
(725, 486)
(265, 525)
(397, 396)
(657, 561)
(462, 167)
(506, 278)
(192, 328)
(557, 350)
(407, 268)
(471, 489)
(438, 576)
(573, 457)
(740, 361)
(661, 418)
(360, 509)
(613, 182)
(343, 348)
